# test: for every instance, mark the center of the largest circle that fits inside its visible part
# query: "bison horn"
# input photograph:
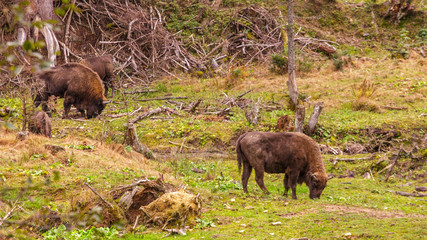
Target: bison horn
(314, 176)
(106, 102)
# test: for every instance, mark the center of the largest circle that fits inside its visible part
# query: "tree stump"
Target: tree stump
(133, 141)
(314, 118)
(40, 124)
(299, 118)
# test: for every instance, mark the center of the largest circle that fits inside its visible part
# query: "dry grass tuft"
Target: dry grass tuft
(366, 104)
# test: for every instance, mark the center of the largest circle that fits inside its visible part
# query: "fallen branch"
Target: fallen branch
(9, 213)
(139, 182)
(393, 164)
(155, 111)
(243, 94)
(99, 195)
(406, 194)
(352, 159)
(160, 98)
(395, 108)
(141, 91)
(421, 189)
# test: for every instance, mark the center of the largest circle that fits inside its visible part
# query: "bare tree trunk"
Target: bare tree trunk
(299, 118)
(314, 118)
(292, 86)
(45, 9)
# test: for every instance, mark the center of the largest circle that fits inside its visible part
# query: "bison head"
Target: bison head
(95, 109)
(317, 182)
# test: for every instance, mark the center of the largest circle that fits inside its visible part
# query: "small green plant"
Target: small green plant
(279, 63)
(204, 223)
(82, 147)
(338, 64)
(418, 85)
(128, 149)
(161, 87)
(38, 156)
(93, 233)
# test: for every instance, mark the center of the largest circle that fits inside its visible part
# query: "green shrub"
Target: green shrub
(279, 63)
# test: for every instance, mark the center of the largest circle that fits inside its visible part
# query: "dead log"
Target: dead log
(421, 189)
(299, 118)
(406, 194)
(133, 141)
(314, 118)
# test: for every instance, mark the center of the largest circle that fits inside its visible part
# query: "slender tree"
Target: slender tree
(292, 86)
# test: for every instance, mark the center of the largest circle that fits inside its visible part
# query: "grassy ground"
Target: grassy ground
(364, 208)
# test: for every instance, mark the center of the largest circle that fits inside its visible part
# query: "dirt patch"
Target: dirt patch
(375, 213)
(339, 209)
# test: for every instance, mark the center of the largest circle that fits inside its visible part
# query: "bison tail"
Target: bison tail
(240, 154)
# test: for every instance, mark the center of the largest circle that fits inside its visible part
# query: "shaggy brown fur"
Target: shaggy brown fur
(292, 153)
(103, 66)
(40, 124)
(77, 84)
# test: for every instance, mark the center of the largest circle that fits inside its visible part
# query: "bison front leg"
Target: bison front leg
(247, 170)
(259, 178)
(286, 184)
(292, 182)
(68, 101)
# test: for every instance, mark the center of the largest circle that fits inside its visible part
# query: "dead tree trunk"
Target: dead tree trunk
(252, 115)
(133, 141)
(299, 118)
(314, 118)
(292, 86)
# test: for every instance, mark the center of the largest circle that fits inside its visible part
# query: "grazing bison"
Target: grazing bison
(292, 153)
(77, 84)
(103, 65)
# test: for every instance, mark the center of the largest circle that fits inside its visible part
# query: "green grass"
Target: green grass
(364, 208)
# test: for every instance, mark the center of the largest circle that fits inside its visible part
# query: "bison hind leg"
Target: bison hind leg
(247, 170)
(259, 178)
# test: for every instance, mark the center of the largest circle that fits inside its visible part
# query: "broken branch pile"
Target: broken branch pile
(255, 34)
(134, 35)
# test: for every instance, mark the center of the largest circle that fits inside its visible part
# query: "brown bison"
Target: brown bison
(77, 84)
(295, 154)
(103, 65)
